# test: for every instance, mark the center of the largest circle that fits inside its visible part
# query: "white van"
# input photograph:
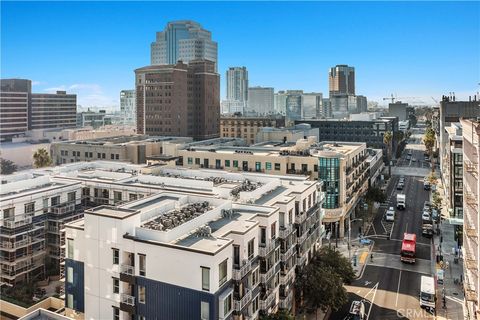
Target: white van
(427, 292)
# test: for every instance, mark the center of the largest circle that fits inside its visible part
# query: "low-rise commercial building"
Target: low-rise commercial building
(134, 149)
(290, 134)
(248, 127)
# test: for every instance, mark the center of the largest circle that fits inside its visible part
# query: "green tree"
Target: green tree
(320, 284)
(279, 315)
(436, 200)
(429, 142)
(41, 158)
(7, 166)
(387, 139)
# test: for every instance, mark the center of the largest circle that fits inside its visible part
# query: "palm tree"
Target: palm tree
(41, 158)
(387, 139)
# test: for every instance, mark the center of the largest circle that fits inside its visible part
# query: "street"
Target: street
(390, 287)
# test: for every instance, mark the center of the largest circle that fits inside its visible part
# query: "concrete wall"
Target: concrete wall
(19, 311)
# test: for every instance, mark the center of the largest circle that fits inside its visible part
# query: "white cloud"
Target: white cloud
(38, 83)
(88, 95)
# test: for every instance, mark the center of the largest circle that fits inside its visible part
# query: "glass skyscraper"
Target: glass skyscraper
(329, 173)
(183, 40)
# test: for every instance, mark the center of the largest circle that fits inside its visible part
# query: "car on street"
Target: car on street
(390, 215)
(409, 157)
(414, 160)
(426, 218)
(400, 185)
(357, 311)
(427, 230)
(435, 215)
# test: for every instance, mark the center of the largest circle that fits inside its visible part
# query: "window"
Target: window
(189, 160)
(99, 155)
(205, 278)
(263, 235)
(115, 255)
(197, 161)
(117, 156)
(90, 154)
(258, 166)
(45, 205)
(70, 275)
(86, 154)
(132, 196)
(277, 166)
(112, 156)
(315, 167)
(71, 196)
(116, 313)
(235, 163)
(204, 310)
(103, 155)
(236, 255)
(117, 196)
(70, 248)
(55, 201)
(273, 230)
(30, 207)
(227, 305)
(290, 213)
(70, 301)
(268, 166)
(116, 285)
(142, 264)
(141, 294)
(222, 272)
(227, 163)
(255, 277)
(250, 248)
(255, 304)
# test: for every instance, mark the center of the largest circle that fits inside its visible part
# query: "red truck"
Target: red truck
(408, 247)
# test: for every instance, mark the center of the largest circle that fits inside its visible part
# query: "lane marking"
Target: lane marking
(375, 287)
(398, 287)
(391, 230)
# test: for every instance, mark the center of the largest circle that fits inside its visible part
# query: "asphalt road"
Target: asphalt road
(390, 287)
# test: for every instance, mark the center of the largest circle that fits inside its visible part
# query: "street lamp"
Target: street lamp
(350, 233)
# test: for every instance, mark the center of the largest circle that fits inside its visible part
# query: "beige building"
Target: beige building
(247, 127)
(471, 206)
(342, 167)
(134, 149)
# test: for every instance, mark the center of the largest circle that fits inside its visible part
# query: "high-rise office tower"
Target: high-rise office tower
(179, 100)
(183, 41)
(15, 104)
(294, 110)
(312, 105)
(53, 110)
(260, 100)
(280, 102)
(127, 106)
(341, 80)
(237, 84)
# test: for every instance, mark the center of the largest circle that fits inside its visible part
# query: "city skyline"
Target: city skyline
(422, 44)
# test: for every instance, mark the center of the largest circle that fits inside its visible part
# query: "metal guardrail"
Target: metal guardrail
(238, 274)
(301, 217)
(285, 256)
(16, 244)
(240, 304)
(127, 269)
(285, 231)
(263, 251)
(127, 299)
(267, 301)
(21, 221)
(286, 302)
(302, 238)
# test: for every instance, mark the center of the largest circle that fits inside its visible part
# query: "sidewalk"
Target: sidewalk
(444, 245)
(359, 253)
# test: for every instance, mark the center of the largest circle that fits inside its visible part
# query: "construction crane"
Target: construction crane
(393, 98)
(436, 101)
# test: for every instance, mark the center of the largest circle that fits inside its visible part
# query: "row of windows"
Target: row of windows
(258, 165)
(113, 156)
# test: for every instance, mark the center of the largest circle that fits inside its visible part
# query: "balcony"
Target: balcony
(64, 208)
(302, 259)
(470, 199)
(240, 304)
(239, 273)
(302, 238)
(15, 245)
(471, 263)
(127, 273)
(269, 246)
(300, 217)
(287, 278)
(127, 303)
(267, 299)
(285, 231)
(18, 221)
(287, 254)
(471, 167)
(286, 302)
(264, 277)
(471, 232)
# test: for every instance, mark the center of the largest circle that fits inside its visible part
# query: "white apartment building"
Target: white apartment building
(128, 107)
(260, 100)
(471, 207)
(198, 244)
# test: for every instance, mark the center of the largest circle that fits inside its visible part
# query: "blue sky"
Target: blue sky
(414, 49)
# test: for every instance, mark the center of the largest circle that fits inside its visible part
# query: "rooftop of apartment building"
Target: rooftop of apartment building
(253, 117)
(200, 222)
(454, 131)
(379, 119)
(302, 147)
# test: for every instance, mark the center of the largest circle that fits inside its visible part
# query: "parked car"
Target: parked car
(435, 215)
(390, 215)
(426, 218)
